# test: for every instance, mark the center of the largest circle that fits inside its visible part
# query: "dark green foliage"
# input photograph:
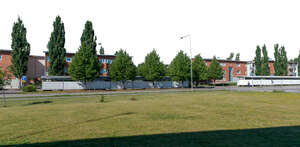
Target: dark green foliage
(230, 56)
(4, 79)
(152, 69)
(215, 71)
(265, 62)
(281, 61)
(141, 69)
(179, 69)
(277, 67)
(258, 61)
(237, 57)
(29, 88)
(122, 68)
(101, 50)
(200, 71)
(56, 49)
(20, 50)
(85, 66)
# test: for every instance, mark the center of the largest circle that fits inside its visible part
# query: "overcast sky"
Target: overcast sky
(217, 27)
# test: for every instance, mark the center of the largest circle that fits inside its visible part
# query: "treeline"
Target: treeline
(262, 61)
(85, 66)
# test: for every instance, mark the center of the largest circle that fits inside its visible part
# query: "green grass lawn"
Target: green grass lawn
(215, 118)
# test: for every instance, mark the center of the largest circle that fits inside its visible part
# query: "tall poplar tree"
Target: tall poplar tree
(85, 66)
(230, 58)
(258, 62)
(179, 69)
(101, 50)
(265, 62)
(20, 50)
(153, 69)
(237, 57)
(277, 67)
(122, 68)
(283, 62)
(199, 70)
(56, 49)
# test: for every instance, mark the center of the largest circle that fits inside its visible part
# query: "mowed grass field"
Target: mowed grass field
(212, 118)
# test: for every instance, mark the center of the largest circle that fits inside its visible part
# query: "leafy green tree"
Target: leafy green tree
(258, 61)
(230, 58)
(4, 78)
(20, 50)
(154, 69)
(200, 71)
(265, 62)
(57, 52)
(237, 57)
(101, 50)
(179, 69)
(141, 69)
(122, 68)
(215, 71)
(85, 66)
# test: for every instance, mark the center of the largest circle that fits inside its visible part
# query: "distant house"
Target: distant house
(231, 69)
(35, 68)
(105, 61)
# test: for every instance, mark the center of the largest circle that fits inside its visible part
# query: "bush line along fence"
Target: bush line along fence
(65, 83)
(74, 85)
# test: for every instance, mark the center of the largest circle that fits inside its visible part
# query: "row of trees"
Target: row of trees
(262, 66)
(231, 56)
(85, 65)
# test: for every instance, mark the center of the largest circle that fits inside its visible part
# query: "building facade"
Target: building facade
(231, 69)
(104, 60)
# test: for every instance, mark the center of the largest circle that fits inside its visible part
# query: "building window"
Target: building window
(107, 61)
(65, 69)
(103, 71)
(224, 75)
(238, 64)
(69, 59)
(238, 72)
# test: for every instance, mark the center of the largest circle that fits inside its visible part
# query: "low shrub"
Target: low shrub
(29, 88)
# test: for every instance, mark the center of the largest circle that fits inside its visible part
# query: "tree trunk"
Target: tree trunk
(20, 83)
(182, 84)
(123, 84)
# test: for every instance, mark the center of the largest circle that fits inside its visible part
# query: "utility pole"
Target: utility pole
(191, 58)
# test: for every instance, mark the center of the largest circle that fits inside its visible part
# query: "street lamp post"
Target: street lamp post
(191, 58)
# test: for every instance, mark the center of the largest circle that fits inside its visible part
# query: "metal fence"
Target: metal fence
(73, 85)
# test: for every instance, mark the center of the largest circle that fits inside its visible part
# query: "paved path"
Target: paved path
(16, 96)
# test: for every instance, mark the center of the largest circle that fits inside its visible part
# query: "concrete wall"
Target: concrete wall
(267, 82)
(71, 85)
(14, 84)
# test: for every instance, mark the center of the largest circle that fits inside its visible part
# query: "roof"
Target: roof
(5, 50)
(271, 77)
(224, 60)
(74, 54)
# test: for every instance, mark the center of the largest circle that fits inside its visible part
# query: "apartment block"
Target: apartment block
(231, 69)
(104, 60)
